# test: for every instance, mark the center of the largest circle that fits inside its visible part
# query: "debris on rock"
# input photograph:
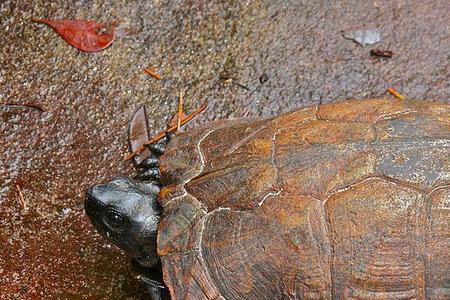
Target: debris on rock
(381, 53)
(138, 133)
(363, 36)
(20, 197)
(228, 80)
(87, 36)
(263, 78)
(395, 93)
(153, 73)
(24, 105)
(168, 130)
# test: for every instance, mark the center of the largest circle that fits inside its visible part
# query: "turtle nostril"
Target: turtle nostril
(92, 206)
(90, 192)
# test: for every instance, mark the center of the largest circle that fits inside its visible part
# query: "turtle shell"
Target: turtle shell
(349, 200)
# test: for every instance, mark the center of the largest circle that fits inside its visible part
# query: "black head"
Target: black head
(127, 213)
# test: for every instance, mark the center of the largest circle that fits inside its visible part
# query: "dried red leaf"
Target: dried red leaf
(138, 134)
(170, 129)
(88, 36)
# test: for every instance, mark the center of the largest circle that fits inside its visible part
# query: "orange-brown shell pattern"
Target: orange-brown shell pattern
(349, 200)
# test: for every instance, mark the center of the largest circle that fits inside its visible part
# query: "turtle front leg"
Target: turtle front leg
(155, 289)
(148, 169)
(152, 279)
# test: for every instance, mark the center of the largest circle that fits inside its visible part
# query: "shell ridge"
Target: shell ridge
(200, 249)
(327, 222)
(401, 183)
(246, 138)
(183, 183)
(177, 197)
(373, 177)
(437, 188)
(201, 154)
(196, 249)
(394, 115)
(204, 219)
(202, 166)
(275, 170)
(427, 221)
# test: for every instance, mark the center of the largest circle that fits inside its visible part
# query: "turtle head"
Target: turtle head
(127, 213)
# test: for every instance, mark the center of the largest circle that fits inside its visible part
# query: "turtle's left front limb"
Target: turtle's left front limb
(152, 278)
(148, 169)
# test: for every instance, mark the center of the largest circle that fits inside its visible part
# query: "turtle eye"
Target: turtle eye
(116, 219)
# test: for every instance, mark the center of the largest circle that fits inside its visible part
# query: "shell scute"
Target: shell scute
(187, 278)
(377, 256)
(227, 183)
(438, 244)
(180, 227)
(341, 200)
(247, 252)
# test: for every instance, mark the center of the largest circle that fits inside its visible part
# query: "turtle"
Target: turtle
(348, 200)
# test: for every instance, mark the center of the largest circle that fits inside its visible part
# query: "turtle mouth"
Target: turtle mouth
(94, 210)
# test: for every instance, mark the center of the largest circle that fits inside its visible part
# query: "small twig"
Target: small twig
(180, 111)
(247, 113)
(183, 121)
(20, 197)
(179, 115)
(228, 79)
(25, 105)
(152, 72)
(242, 86)
(170, 129)
(381, 53)
(395, 93)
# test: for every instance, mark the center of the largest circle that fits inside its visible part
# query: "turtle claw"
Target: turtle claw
(155, 293)
(149, 162)
(148, 169)
(150, 174)
(154, 288)
(158, 148)
(150, 282)
(152, 279)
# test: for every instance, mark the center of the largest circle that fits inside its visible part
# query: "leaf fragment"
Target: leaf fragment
(87, 36)
(138, 134)
(363, 36)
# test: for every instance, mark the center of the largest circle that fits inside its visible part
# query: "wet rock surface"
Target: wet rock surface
(49, 250)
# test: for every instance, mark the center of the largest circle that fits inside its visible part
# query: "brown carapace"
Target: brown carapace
(348, 200)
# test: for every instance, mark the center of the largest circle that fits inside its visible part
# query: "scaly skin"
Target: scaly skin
(127, 212)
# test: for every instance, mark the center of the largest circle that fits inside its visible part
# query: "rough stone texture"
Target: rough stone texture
(49, 250)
